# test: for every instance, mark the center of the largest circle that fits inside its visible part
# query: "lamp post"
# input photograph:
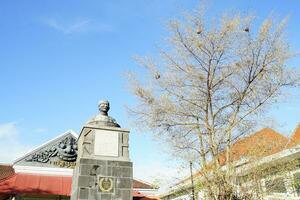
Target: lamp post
(192, 180)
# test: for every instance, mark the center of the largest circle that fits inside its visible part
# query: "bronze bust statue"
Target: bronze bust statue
(103, 119)
(103, 106)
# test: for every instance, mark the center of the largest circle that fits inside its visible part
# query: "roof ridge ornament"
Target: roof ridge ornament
(103, 119)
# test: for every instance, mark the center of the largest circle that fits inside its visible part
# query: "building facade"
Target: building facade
(46, 173)
(277, 166)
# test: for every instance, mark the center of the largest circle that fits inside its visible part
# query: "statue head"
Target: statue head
(103, 107)
(103, 119)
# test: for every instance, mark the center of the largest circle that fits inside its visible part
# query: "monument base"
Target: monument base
(102, 180)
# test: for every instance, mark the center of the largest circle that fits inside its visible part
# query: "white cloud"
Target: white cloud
(75, 26)
(8, 130)
(10, 143)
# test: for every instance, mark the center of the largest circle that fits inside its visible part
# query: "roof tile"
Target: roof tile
(262, 143)
(295, 139)
(6, 171)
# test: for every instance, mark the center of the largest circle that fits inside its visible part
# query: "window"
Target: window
(276, 186)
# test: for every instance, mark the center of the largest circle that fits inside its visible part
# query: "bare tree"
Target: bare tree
(208, 87)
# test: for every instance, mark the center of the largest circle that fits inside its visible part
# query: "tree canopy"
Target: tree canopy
(208, 86)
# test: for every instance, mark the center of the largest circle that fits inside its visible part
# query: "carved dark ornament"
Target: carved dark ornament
(66, 150)
(43, 156)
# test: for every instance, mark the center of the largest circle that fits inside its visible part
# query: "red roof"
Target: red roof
(6, 171)
(20, 183)
(142, 185)
(140, 196)
(137, 194)
(262, 143)
(295, 139)
(36, 184)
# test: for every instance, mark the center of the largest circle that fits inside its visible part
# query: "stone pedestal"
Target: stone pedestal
(103, 168)
(91, 172)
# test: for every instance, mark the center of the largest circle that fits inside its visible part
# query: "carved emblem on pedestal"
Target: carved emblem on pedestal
(106, 184)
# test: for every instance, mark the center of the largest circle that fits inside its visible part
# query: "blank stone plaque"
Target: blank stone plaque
(106, 143)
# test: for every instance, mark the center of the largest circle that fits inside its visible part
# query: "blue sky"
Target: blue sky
(58, 58)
